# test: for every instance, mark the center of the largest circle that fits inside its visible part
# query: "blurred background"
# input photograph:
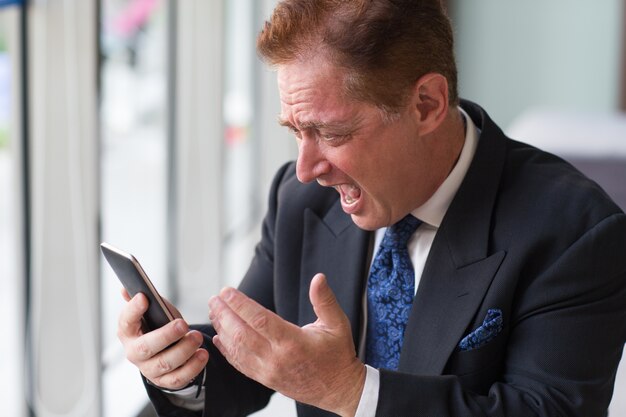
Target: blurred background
(151, 124)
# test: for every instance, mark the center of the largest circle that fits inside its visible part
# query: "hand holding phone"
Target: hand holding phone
(175, 354)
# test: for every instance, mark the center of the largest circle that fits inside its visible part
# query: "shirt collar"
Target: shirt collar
(434, 209)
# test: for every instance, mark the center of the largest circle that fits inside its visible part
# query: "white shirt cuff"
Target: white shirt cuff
(190, 398)
(186, 398)
(369, 396)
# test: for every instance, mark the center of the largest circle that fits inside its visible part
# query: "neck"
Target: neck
(452, 136)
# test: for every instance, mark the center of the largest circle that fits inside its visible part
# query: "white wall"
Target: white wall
(515, 55)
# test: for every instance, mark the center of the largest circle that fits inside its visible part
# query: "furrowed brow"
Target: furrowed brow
(316, 125)
(284, 122)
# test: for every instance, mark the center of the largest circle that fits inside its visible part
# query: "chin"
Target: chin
(365, 223)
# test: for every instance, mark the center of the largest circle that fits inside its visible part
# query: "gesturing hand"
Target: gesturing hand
(315, 364)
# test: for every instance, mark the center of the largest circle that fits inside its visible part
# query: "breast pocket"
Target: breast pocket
(479, 368)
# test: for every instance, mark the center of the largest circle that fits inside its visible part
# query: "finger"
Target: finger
(234, 357)
(262, 320)
(240, 342)
(245, 362)
(129, 322)
(183, 375)
(125, 294)
(173, 357)
(151, 343)
(325, 303)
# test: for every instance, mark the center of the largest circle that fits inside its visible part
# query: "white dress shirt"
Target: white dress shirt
(431, 214)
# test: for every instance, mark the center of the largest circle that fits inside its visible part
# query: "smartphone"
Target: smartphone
(135, 280)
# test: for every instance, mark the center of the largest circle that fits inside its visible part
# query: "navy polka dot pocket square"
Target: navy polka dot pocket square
(486, 332)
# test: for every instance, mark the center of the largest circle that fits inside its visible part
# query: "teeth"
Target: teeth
(351, 193)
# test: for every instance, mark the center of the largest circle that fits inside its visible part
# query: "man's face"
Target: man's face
(382, 169)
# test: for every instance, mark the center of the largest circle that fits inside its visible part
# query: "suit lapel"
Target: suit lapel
(444, 305)
(335, 246)
(459, 268)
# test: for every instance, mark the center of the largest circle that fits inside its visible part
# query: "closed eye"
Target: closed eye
(292, 128)
(322, 131)
(335, 139)
(295, 131)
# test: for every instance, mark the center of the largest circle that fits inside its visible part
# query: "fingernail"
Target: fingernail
(227, 294)
(137, 299)
(200, 354)
(179, 326)
(197, 337)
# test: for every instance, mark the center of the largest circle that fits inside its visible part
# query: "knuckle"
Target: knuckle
(163, 366)
(177, 381)
(235, 301)
(142, 350)
(233, 352)
(259, 321)
(216, 319)
(123, 327)
(239, 336)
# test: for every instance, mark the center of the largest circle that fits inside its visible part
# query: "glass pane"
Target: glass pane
(11, 290)
(134, 169)
(240, 156)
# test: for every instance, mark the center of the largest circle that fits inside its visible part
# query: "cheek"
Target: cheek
(358, 165)
(384, 182)
(343, 161)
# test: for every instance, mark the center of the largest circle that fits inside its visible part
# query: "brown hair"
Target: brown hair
(385, 45)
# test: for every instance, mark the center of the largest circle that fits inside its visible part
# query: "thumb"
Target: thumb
(325, 305)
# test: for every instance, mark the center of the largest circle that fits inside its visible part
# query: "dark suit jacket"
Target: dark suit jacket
(526, 234)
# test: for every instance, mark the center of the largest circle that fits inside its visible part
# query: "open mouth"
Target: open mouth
(350, 194)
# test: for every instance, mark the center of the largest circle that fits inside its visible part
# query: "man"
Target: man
(514, 269)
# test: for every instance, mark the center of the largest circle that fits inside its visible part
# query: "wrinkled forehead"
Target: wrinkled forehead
(314, 72)
(313, 86)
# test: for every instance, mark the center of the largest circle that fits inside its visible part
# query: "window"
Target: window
(11, 220)
(134, 169)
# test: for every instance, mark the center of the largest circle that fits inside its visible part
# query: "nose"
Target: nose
(311, 163)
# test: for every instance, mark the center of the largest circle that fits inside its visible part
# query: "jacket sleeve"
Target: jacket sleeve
(566, 337)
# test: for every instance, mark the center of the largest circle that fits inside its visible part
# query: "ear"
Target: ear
(430, 102)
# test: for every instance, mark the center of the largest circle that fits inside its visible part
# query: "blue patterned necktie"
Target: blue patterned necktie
(390, 292)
